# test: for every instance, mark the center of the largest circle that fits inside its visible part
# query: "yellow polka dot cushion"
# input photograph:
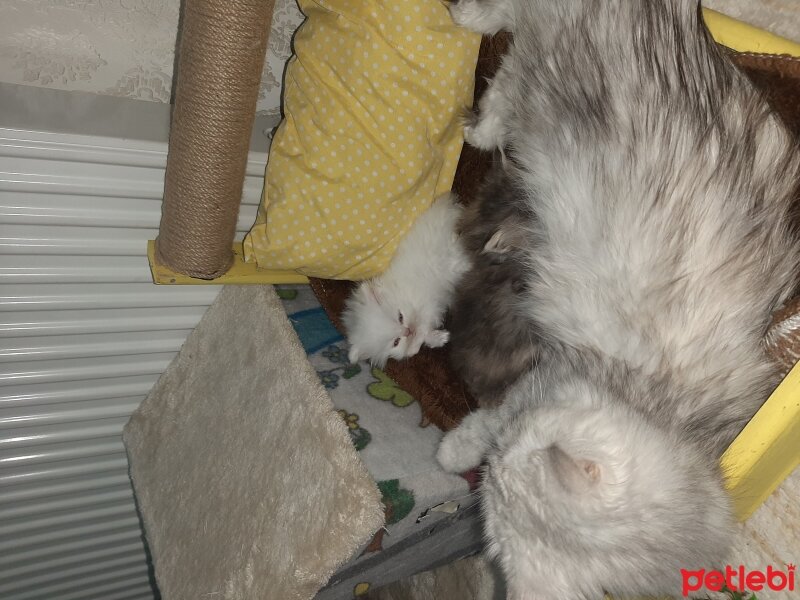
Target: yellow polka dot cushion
(371, 134)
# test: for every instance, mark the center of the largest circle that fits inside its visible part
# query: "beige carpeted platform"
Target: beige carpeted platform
(247, 481)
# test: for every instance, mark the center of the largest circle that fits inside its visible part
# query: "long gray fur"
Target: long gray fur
(661, 188)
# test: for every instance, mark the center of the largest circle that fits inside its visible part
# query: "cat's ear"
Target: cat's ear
(373, 292)
(576, 474)
(353, 354)
(497, 244)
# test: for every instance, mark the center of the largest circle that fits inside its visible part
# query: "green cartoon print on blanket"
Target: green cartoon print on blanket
(347, 370)
(397, 504)
(358, 435)
(397, 501)
(286, 293)
(386, 389)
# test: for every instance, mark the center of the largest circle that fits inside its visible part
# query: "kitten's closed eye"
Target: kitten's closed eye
(396, 341)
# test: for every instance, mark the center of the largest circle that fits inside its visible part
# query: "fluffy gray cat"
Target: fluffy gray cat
(661, 186)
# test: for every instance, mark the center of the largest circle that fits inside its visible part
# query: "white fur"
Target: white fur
(418, 284)
(483, 16)
(576, 478)
(661, 187)
(487, 129)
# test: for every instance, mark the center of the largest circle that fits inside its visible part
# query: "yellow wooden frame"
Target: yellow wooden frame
(240, 273)
(768, 449)
(742, 37)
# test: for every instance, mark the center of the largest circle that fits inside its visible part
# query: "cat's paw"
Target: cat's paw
(459, 452)
(463, 12)
(469, 119)
(437, 338)
(482, 16)
(484, 132)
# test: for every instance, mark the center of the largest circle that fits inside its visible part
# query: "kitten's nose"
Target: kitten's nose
(408, 332)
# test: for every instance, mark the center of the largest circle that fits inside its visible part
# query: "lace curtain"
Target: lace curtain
(116, 47)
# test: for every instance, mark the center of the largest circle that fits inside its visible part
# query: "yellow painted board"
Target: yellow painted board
(767, 450)
(240, 273)
(742, 37)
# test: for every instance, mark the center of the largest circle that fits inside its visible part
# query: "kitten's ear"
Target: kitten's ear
(353, 354)
(575, 474)
(497, 244)
(372, 290)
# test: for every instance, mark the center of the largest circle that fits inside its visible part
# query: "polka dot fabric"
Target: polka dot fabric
(371, 134)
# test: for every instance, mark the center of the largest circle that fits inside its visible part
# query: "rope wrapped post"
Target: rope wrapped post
(221, 55)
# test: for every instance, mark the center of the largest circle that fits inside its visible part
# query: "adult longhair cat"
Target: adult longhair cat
(661, 186)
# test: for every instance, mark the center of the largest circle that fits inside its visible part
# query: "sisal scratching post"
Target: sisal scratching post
(221, 55)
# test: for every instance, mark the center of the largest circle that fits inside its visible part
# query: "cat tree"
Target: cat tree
(217, 527)
(229, 507)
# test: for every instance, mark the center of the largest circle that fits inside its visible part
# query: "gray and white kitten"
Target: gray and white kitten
(491, 336)
(661, 186)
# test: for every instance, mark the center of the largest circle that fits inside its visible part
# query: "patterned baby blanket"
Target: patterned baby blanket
(431, 515)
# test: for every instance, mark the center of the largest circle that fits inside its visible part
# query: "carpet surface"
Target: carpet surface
(246, 479)
(471, 578)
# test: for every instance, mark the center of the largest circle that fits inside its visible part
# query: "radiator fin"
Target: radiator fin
(84, 335)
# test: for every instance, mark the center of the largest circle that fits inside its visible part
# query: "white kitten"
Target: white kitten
(394, 314)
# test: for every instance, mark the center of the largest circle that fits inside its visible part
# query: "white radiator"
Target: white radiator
(83, 333)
